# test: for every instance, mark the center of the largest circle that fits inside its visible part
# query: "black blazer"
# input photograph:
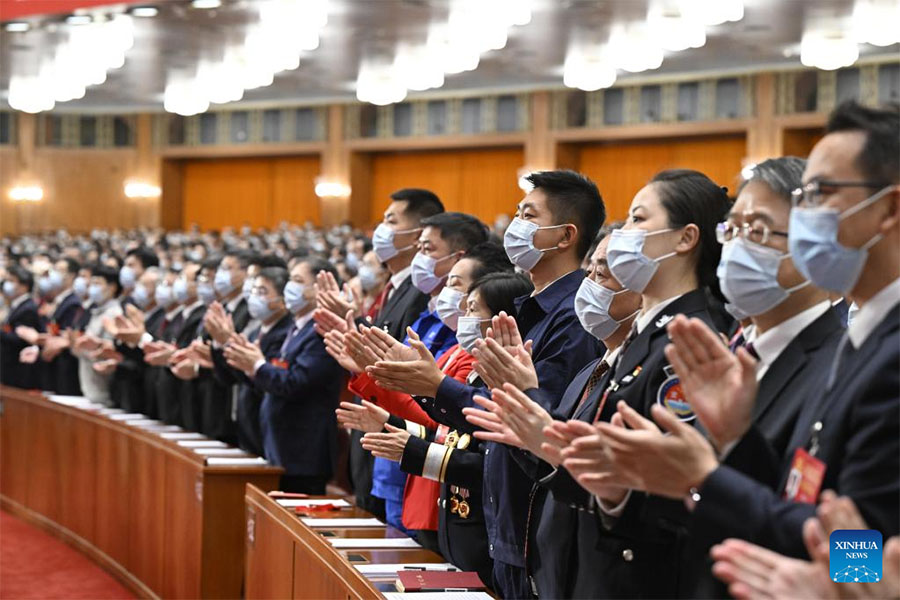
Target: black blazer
(11, 371)
(61, 374)
(127, 384)
(572, 554)
(859, 443)
(399, 312)
(175, 408)
(249, 399)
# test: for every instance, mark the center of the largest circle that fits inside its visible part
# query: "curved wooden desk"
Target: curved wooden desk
(288, 559)
(147, 509)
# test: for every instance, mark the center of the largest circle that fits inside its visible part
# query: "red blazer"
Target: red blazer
(420, 496)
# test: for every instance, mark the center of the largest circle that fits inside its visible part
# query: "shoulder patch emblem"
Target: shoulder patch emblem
(670, 396)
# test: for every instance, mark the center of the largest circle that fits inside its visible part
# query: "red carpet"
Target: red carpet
(34, 564)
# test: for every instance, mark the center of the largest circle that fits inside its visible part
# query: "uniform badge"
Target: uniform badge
(672, 398)
(663, 320)
(279, 363)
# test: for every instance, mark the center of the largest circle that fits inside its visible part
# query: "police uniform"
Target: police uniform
(575, 550)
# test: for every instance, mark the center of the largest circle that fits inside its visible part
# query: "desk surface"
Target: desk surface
(152, 512)
(317, 569)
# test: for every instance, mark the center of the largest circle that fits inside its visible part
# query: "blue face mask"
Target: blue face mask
(294, 297)
(368, 278)
(127, 277)
(180, 289)
(816, 251)
(9, 288)
(223, 282)
(206, 292)
(45, 286)
(247, 288)
(259, 307)
(96, 294)
(80, 287)
(164, 295)
(141, 297)
(748, 276)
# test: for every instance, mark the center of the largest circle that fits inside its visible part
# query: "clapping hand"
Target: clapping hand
(386, 445)
(417, 377)
(366, 417)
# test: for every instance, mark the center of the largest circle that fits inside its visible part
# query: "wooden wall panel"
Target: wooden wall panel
(259, 192)
(798, 142)
(620, 169)
(83, 189)
(479, 182)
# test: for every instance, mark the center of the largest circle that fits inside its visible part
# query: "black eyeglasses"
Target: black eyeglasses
(814, 192)
(758, 234)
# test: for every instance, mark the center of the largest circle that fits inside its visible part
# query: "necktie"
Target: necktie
(737, 340)
(751, 349)
(382, 299)
(288, 338)
(832, 373)
(596, 375)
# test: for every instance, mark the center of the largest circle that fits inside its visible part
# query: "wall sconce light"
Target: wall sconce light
(140, 189)
(26, 193)
(331, 189)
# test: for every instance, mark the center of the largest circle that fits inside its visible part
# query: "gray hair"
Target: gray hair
(782, 175)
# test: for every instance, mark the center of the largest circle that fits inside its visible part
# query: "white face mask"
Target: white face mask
(447, 307)
(627, 261)
(518, 241)
(383, 242)
(468, 331)
(422, 274)
(592, 302)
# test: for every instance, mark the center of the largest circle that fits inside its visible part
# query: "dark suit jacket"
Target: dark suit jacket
(573, 554)
(61, 374)
(176, 407)
(399, 312)
(127, 384)
(297, 416)
(12, 372)
(859, 443)
(216, 399)
(249, 398)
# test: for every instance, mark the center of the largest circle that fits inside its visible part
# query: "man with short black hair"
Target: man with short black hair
(23, 311)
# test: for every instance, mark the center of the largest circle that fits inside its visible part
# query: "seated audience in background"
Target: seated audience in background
(23, 312)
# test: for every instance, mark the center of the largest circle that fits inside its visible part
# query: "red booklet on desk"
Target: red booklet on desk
(438, 581)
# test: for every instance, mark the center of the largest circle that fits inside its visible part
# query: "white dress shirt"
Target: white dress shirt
(771, 344)
(872, 313)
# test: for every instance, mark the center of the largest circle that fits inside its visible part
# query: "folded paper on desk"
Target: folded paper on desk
(220, 451)
(126, 416)
(227, 461)
(111, 411)
(438, 596)
(307, 502)
(143, 423)
(373, 543)
(182, 435)
(391, 569)
(371, 522)
(202, 444)
(74, 401)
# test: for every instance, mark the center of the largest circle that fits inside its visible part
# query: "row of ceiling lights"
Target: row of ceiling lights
(288, 28)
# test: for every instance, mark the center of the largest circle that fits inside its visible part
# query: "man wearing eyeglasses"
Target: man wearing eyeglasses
(844, 234)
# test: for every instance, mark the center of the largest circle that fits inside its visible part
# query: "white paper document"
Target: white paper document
(75, 401)
(438, 596)
(227, 461)
(143, 423)
(181, 435)
(127, 416)
(373, 543)
(370, 522)
(202, 444)
(295, 502)
(391, 569)
(220, 451)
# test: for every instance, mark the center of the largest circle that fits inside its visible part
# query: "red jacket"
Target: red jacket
(420, 496)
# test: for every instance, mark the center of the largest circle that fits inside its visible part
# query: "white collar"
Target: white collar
(771, 344)
(18, 301)
(233, 303)
(645, 318)
(61, 297)
(189, 310)
(610, 357)
(400, 276)
(300, 322)
(872, 313)
(173, 313)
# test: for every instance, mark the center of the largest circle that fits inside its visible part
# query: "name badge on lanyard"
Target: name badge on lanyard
(807, 472)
